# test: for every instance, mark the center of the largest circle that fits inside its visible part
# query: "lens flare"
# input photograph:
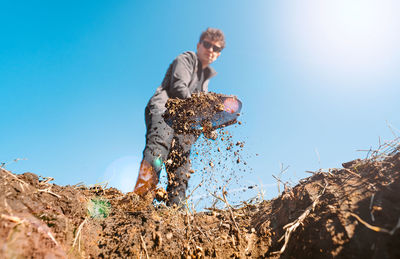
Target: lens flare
(157, 162)
(231, 105)
(122, 173)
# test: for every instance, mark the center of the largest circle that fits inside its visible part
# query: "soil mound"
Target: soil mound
(352, 212)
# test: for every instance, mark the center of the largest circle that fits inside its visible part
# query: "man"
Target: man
(189, 73)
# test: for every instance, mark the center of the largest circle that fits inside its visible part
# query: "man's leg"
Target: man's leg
(178, 170)
(158, 141)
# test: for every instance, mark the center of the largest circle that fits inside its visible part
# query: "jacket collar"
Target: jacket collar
(208, 71)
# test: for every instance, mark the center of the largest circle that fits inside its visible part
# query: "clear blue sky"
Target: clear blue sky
(319, 80)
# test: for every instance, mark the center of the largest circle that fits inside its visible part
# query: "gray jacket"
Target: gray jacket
(180, 81)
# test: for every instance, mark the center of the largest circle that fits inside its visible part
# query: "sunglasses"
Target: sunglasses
(208, 45)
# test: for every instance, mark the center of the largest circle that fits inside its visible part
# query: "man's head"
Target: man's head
(210, 45)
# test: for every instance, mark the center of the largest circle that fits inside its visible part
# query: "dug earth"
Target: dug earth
(349, 212)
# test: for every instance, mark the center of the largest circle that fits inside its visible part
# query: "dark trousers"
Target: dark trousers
(164, 146)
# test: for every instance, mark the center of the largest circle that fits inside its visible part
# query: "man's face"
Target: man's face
(207, 51)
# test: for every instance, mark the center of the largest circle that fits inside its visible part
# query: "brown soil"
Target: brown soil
(183, 114)
(352, 212)
(345, 213)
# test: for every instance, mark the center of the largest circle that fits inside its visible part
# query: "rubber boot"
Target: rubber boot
(147, 179)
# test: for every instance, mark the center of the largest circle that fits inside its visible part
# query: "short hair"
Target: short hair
(214, 35)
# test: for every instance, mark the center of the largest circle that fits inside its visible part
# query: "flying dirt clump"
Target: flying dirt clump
(217, 158)
(198, 113)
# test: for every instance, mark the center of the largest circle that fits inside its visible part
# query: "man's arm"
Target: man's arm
(181, 75)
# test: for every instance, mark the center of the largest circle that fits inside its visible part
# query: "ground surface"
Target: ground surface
(351, 212)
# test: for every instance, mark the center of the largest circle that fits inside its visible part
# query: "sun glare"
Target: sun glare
(122, 173)
(357, 38)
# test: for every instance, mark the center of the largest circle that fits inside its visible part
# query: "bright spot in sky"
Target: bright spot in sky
(122, 173)
(342, 38)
